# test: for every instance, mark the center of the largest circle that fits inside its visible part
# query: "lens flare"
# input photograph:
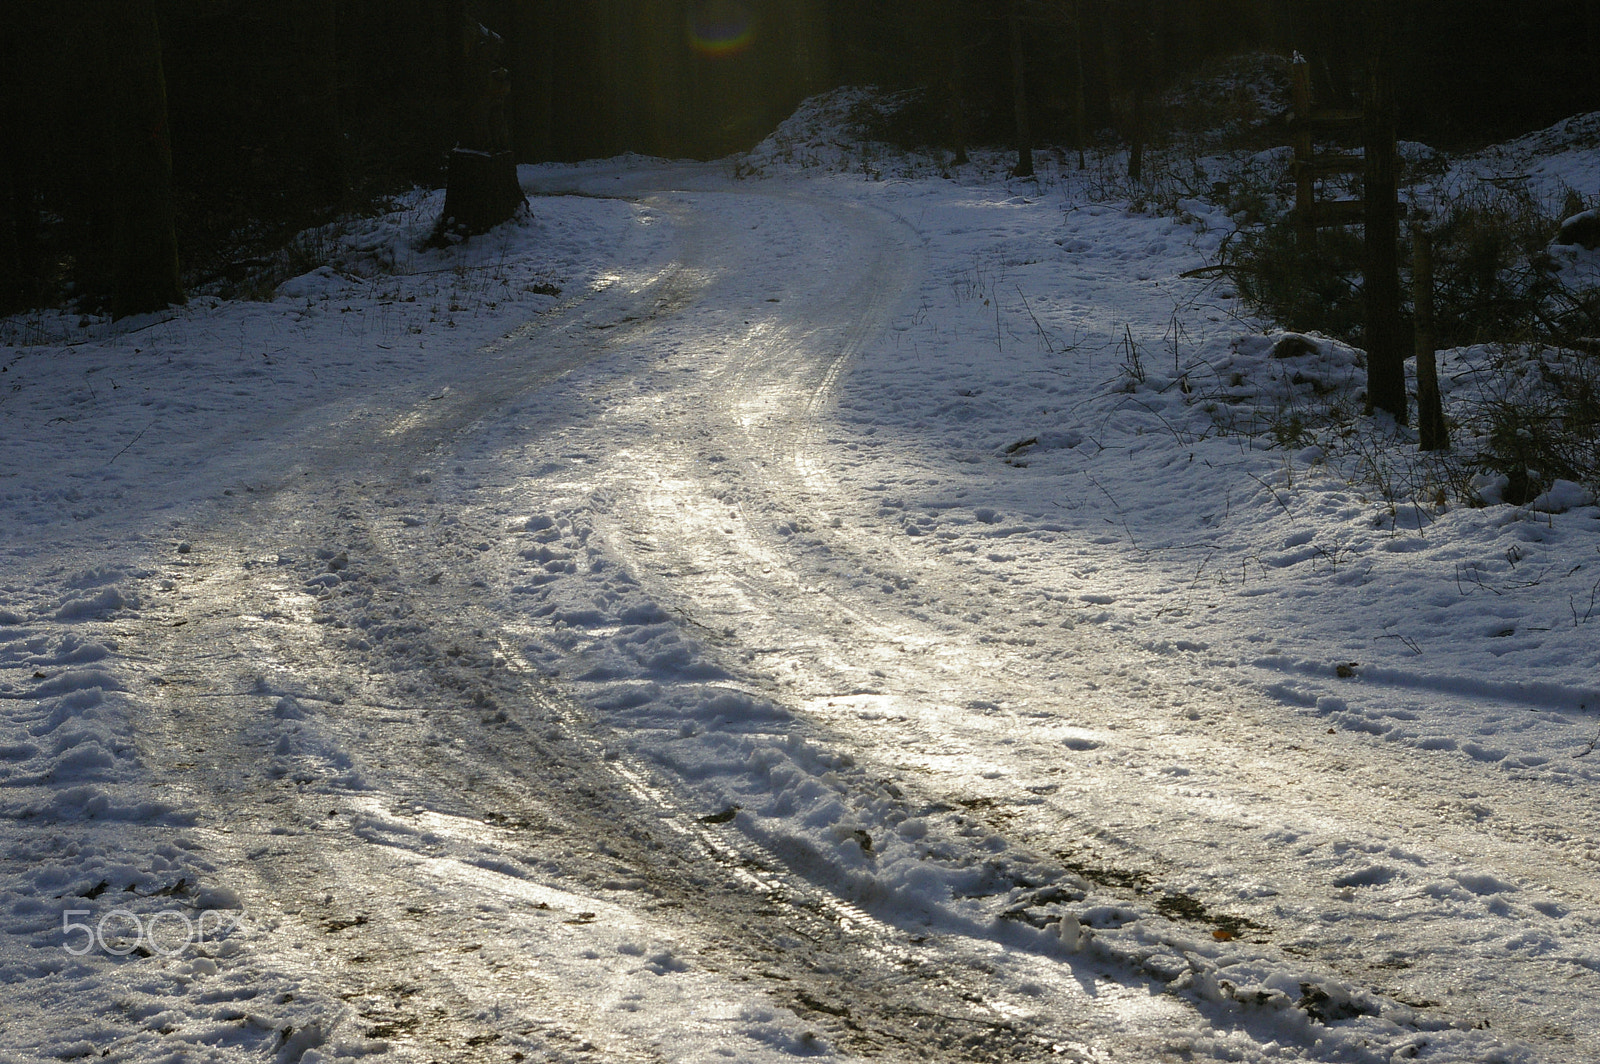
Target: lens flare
(720, 28)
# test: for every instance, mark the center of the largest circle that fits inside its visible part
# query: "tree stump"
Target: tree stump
(481, 192)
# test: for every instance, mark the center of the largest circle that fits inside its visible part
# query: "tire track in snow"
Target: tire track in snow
(368, 851)
(803, 600)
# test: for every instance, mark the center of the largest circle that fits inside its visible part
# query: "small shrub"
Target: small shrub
(1536, 418)
(1531, 408)
(914, 120)
(1490, 281)
(1316, 289)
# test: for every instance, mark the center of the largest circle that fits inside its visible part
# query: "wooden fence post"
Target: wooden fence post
(1434, 433)
(1311, 165)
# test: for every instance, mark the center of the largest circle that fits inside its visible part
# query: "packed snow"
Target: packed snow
(826, 602)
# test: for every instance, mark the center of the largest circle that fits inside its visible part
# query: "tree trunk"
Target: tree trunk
(1019, 94)
(1143, 63)
(315, 68)
(1386, 382)
(1080, 97)
(1591, 29)
(954, 45)
(1434, 434)
(1111, 49)
(482, 189)
(144, 244)
(1136, 135)
(12, 284)
(533, 91)
(13, 278)
(958, 102)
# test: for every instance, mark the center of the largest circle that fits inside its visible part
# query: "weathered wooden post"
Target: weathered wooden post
(1311, 165)
(1434, 433)
(1386, 373)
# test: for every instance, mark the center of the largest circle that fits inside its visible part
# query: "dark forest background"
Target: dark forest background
(252, 120)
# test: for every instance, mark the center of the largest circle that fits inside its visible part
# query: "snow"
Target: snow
(1547, 162)
(787, 606)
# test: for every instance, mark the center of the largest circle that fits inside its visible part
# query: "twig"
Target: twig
(1588, 614)
(1048, 346)
(1201, 570)
(133, 441)
(1162, 418)
(1407, 640)
(1130, 362)
(1271, 489)
(1115, 506)
(1178, 333)
(1215, 270)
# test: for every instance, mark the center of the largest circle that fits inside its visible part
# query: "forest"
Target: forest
(154, 146)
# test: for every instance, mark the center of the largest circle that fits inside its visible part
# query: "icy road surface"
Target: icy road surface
(672, 680)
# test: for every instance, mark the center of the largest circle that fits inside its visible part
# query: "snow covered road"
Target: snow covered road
(785, 643)
(1181, 783)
